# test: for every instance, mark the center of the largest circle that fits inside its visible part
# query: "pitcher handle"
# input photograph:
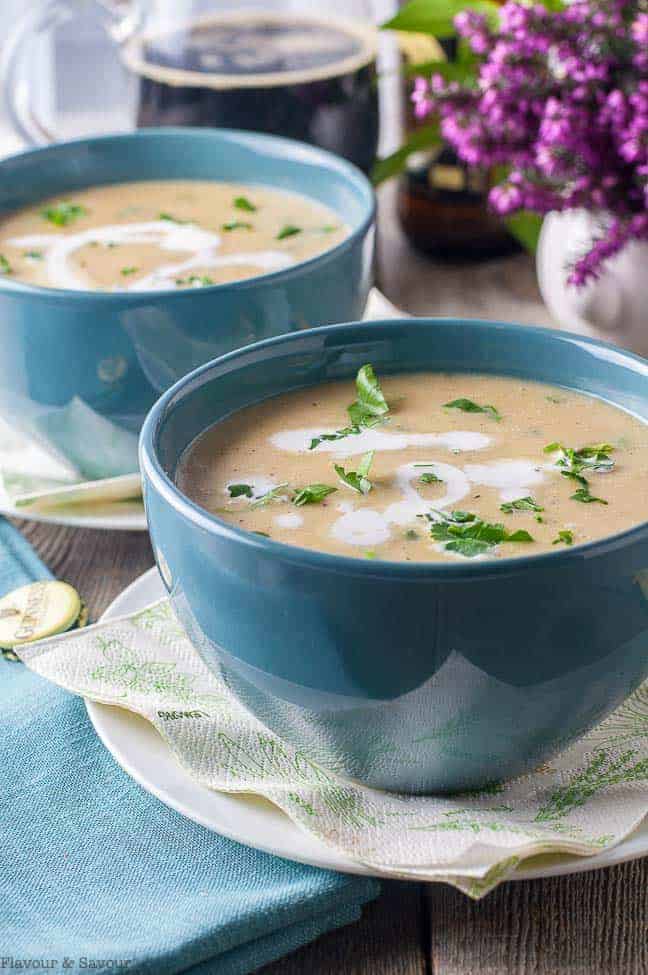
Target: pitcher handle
(123, 19)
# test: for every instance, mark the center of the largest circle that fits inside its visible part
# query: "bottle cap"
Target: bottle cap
(38, 610)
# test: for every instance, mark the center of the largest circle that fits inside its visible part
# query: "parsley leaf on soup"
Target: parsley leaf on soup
(430, 478)
(522, 504)
(63, 213)
(591, 458)
(565, 536)
(369, 409)
(5, 266)
(312, 494)
(240, 490)
(467, 534)
(236, 225)
(274, 494)
(583, 495)
(288, 230)
(242, 203)
(370, 400)
(357, 480)
(468, 406)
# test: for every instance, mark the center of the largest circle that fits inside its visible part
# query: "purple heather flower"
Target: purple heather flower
(561, 100)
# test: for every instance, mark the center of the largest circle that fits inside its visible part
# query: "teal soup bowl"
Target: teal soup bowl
(66, 356)
(407, 676)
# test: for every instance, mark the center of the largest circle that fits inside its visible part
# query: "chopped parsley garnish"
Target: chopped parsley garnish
(368, 410)
(338, 435)
(242, 203)
(170, 218)
(34, 255)
(565, 536)
(195, 281)
(328, 228)
(467, 406)
(240, 490)
(592, 457)
(265, 534)
(5, 266)
(554, 399)
(288, 231)
(583, 494)
(411, 535)
(370, 554)
(370, 402)
(430, 478)
(465, 533)
(126, 271)
(357, 480)
(236, 225)
(274, 494)
(312, 494)
(522, 504)
(62, 214)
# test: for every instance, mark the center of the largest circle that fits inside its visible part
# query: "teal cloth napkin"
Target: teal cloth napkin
(94, 868)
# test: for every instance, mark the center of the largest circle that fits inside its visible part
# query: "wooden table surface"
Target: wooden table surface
(594, 923)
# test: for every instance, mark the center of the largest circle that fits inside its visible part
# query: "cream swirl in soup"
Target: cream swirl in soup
(424, 467)
(158, 235)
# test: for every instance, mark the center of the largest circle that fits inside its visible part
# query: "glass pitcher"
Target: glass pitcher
(285, 67)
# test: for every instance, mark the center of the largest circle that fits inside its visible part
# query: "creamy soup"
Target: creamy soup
(424, 467)
(147, 236)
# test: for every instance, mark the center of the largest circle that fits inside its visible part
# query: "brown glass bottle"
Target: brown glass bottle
(443, 204)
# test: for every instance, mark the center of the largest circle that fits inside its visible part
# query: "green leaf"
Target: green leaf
(522, 504)
(437, 16)
(371, 400)
(5, 266)
(584, 495)
(62, 214)
(242, 203)
(240, 490)
(236, 225)
(464, 72)
(430, 478)
(338, 435)
(127, 271)
(33, 255)
(170, 218)
(195, 281)
(425, 137)
(565, 536)
(357, 480)
(274, 494)
(312, 494)
(466, 533)
(525, 227)
(467, 406)
(288, 231)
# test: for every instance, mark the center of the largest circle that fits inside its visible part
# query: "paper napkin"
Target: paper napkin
(582, 802)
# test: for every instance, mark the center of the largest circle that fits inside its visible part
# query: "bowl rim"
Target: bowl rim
(328, 160)
(313, 559)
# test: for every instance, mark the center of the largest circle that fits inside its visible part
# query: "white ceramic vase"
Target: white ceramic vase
(615, 306)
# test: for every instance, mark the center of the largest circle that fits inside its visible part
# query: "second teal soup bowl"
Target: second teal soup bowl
(117, 352)
(407, 676)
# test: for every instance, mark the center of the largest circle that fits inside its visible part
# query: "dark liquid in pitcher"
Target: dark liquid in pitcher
(288, 75)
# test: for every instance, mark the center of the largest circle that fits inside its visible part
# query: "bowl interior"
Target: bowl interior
(155, 154)
(336, 352)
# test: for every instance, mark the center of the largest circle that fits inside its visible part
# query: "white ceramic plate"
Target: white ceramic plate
(140, 751)
(115, 516)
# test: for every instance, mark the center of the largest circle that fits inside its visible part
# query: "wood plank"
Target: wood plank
(594, 923)
(385, 941)
(100, 564)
